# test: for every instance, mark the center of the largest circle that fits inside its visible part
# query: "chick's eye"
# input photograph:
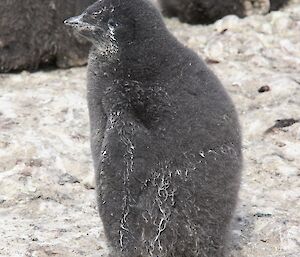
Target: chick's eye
(112, 23)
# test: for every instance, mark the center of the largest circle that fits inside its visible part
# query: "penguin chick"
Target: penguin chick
(165, 136)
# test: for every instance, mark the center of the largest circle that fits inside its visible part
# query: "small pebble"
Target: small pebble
(263, 89)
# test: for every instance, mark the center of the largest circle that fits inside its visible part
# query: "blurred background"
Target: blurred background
(47, 192)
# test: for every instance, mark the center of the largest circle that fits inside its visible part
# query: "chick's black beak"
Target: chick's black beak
(75, 22)
(80, 25)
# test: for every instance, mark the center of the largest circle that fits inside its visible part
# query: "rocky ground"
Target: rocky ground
(47, 197)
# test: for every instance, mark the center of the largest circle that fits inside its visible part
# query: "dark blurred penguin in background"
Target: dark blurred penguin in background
(32, 34)
(201, 11)
(277, 4)
(208, 11)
